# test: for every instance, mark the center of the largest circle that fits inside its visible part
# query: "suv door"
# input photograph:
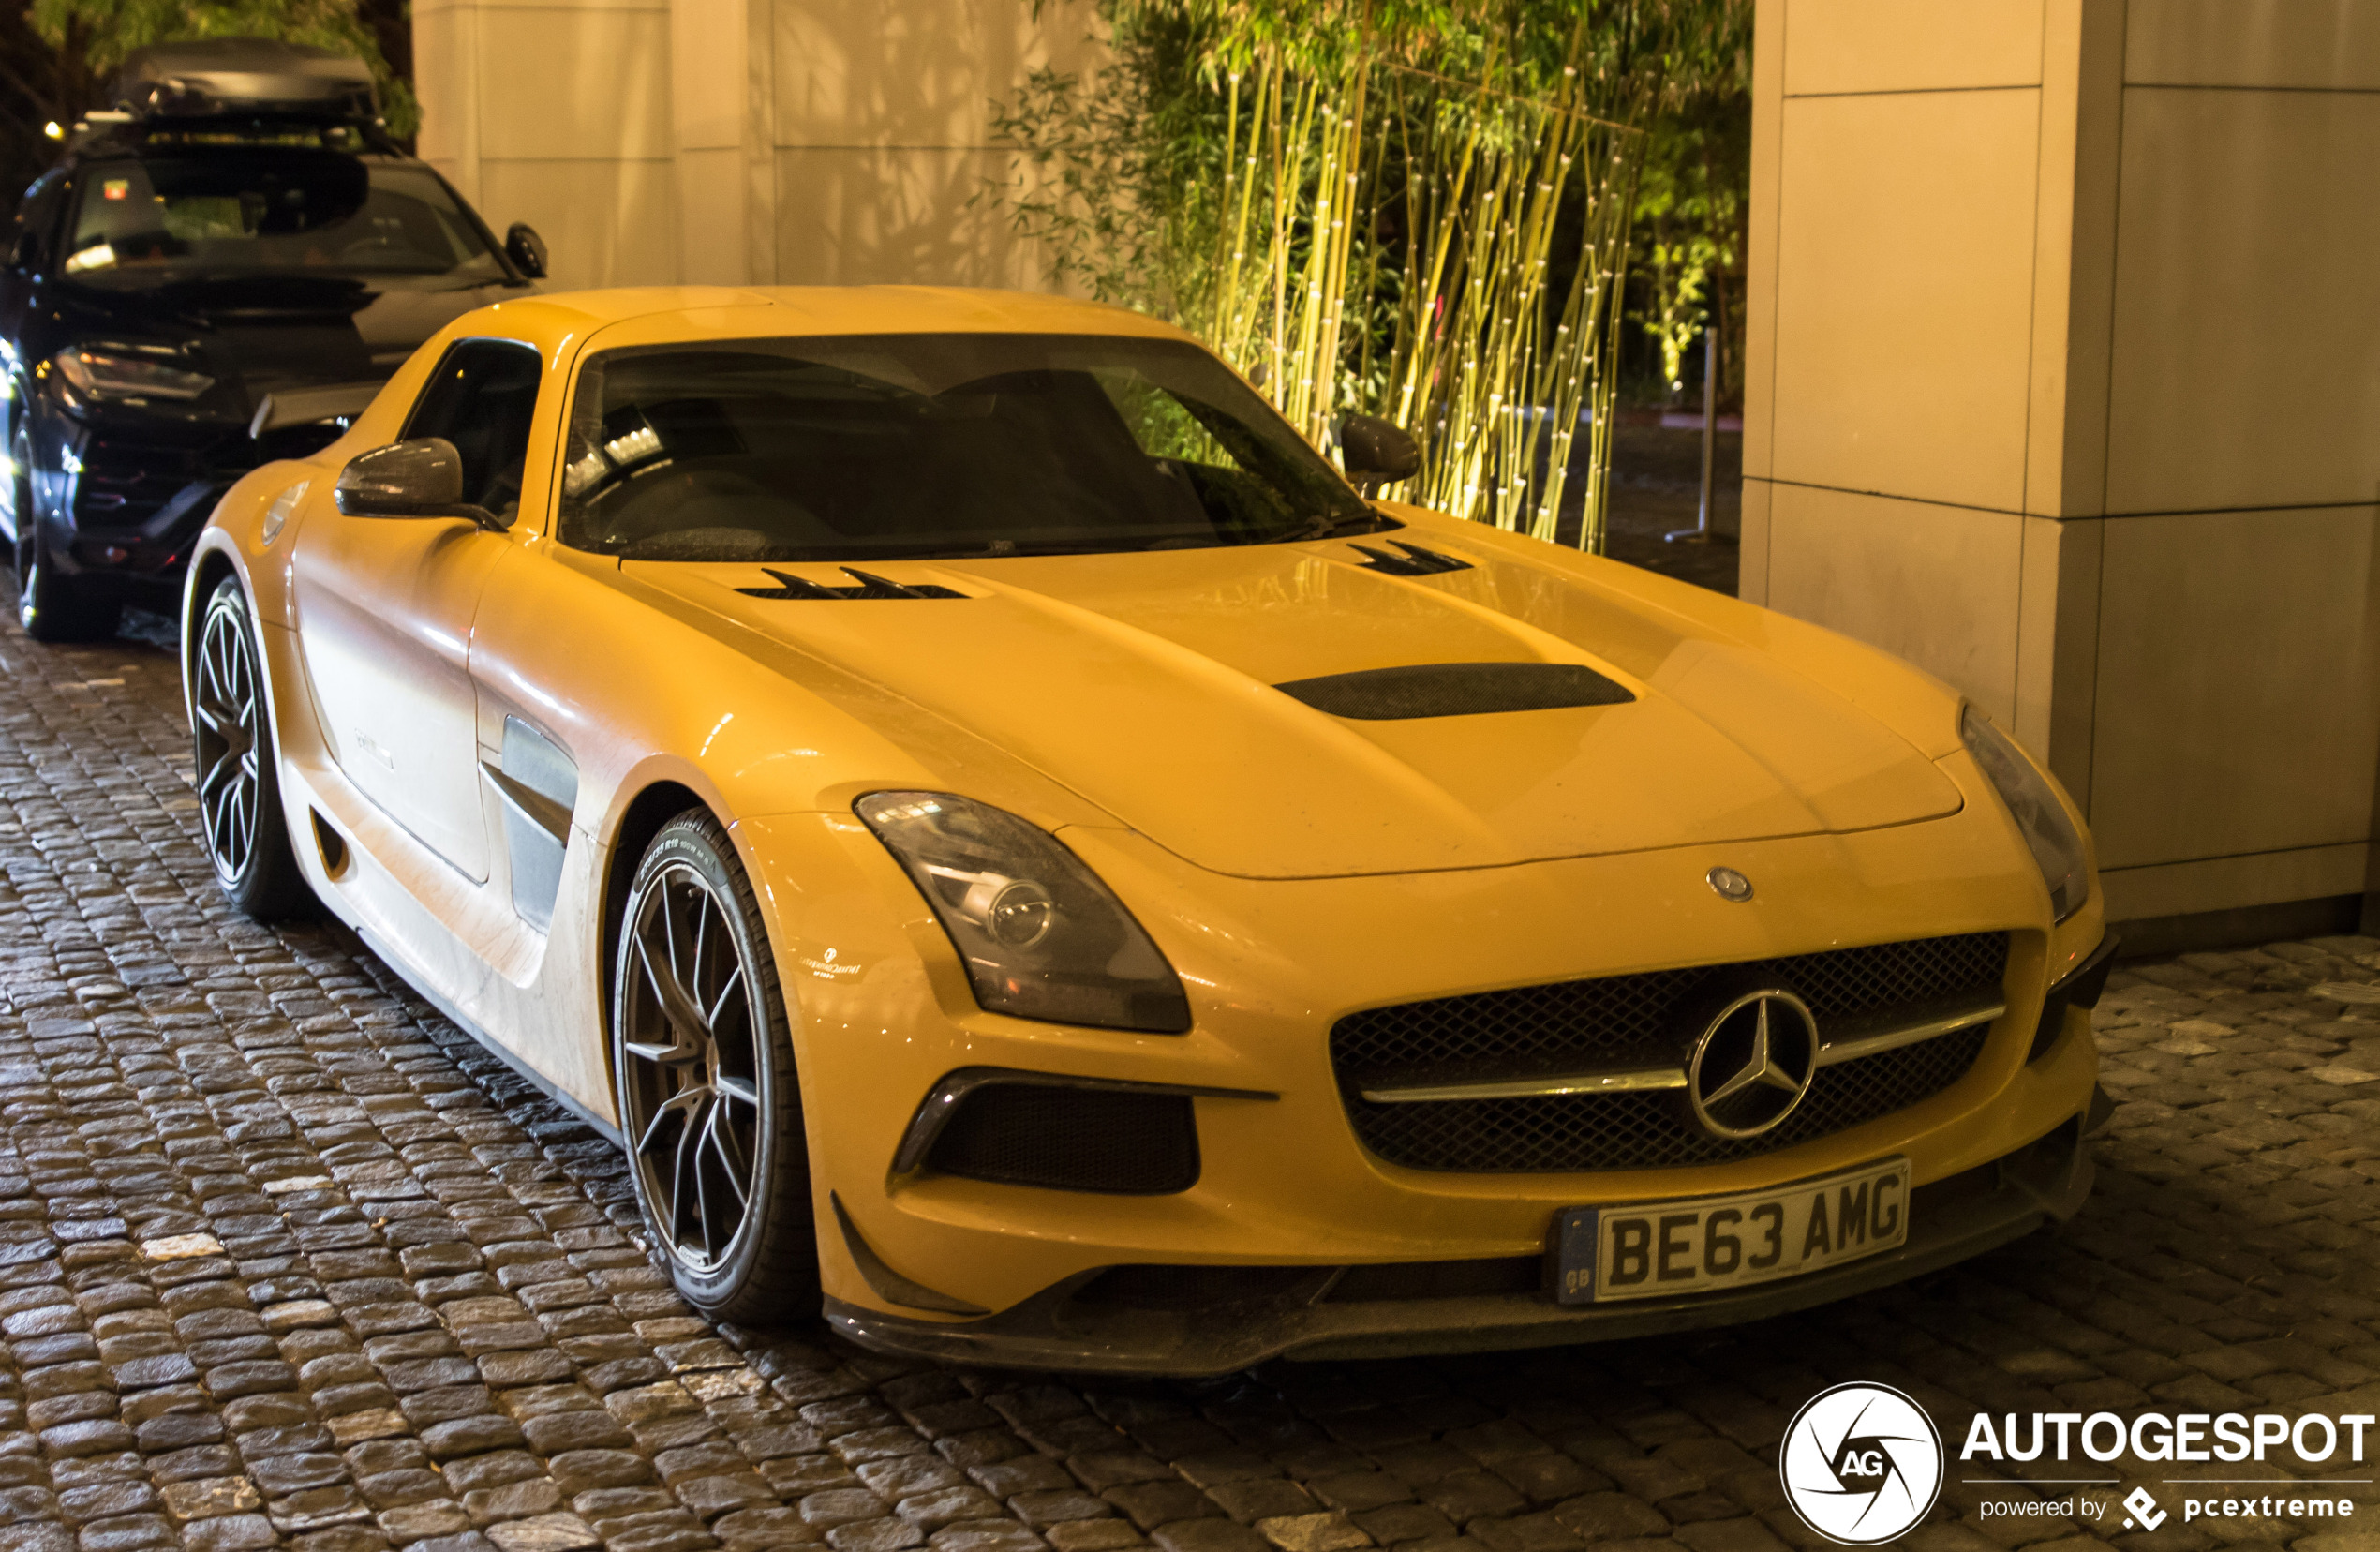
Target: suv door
(385, 609)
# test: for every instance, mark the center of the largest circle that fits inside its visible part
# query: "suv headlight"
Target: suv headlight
(104, 376)
(1042, 937)
(2056, 844)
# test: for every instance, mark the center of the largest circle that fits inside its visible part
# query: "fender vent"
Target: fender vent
(1455, 689)
(870, 586)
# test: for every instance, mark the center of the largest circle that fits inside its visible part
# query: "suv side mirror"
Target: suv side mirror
(526, 249)
(421, 478)
(1376, 452)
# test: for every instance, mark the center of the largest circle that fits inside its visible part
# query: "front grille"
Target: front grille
(1071, 1140)
(1536, 1030)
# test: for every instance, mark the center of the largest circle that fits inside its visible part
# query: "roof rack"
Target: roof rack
(208, 78)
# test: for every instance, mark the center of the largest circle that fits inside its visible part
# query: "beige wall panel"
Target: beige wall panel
(710, 82)
(2056, 646)
(711, 251)
(868, 216)
(1751, 550)
(2239, 696)
(1937, 585)
(2254, 42)
(605, 223)
(924, 73)
(1897, 46)
(2247, 302)
(444, 63)
(1904, 304)
(598, 85)
(2232, 883)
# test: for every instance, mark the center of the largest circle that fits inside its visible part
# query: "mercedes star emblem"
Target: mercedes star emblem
(1730, 884)
(1752, 1063)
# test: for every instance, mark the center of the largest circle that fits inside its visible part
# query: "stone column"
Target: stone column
(722, 101)
(2064, 383)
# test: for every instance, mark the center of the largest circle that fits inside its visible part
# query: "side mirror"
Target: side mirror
(526, 249)
(421, 478)
(1376, 452)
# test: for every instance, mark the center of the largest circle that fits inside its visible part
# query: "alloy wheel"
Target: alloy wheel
(696, 1112)
(229, 726)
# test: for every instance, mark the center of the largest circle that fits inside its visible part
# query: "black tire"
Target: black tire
(51, 606)
(709, 1103)
(235, 763)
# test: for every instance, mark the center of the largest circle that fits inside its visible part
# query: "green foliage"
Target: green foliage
(100, 32)
(1691, 223)
(1419, 208)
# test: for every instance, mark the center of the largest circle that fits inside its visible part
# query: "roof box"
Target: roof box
(208, 77)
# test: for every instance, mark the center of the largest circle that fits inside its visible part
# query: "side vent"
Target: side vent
(1415, 561)
(1455, 689)
(870, 586)
(540, 787)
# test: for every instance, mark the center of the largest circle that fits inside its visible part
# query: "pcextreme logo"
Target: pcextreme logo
(1863, 1463)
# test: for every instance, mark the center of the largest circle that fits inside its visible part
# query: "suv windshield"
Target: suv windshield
(140, 222)
(890, 446)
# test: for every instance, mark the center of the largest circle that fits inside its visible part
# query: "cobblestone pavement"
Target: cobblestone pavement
(284, 1261)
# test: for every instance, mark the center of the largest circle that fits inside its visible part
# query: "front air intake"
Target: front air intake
(1119, 1142)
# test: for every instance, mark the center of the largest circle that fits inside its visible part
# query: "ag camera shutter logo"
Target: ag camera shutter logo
(1861, 1464)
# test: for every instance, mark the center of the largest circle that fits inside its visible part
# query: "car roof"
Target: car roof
(661, 315)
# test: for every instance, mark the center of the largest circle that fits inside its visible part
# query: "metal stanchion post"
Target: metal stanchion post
(1700, 533)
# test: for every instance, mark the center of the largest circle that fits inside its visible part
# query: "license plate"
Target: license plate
(1662, 1249)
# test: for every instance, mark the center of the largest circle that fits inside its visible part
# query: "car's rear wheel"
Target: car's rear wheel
(708, 1101)
(234, 765)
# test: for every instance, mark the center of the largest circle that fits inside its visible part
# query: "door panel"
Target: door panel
(385, 607)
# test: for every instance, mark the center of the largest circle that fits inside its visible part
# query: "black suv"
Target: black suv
(219, 272)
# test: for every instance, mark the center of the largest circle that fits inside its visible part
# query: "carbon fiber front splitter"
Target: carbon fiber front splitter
(1950, 1220)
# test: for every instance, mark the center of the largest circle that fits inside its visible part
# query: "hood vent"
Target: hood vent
(1455, 689)
(870, 586)
(1415, 561)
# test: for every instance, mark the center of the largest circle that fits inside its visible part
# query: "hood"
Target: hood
(1147, 684)
(268, 333)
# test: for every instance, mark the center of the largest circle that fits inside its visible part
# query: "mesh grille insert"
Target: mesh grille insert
(1071, 1140)
(1542, 1029)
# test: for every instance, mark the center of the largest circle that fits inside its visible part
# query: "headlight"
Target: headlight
(103, 376)
(1041, 935)
(2057, 845)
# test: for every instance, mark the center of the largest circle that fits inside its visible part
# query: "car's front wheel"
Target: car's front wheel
(234, 765)
(708, 1101)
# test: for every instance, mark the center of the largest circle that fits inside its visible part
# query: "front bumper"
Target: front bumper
(886, 1015)
(1950, 1220)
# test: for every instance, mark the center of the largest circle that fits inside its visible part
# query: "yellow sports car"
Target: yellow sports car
(1016, 846)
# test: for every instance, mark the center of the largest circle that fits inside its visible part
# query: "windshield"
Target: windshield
(243, 212)
(891, 446)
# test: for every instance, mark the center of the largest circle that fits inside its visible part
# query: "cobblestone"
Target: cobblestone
(286, 1261)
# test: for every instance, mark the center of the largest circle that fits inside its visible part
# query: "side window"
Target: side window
(480, 398)
(36, 217)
